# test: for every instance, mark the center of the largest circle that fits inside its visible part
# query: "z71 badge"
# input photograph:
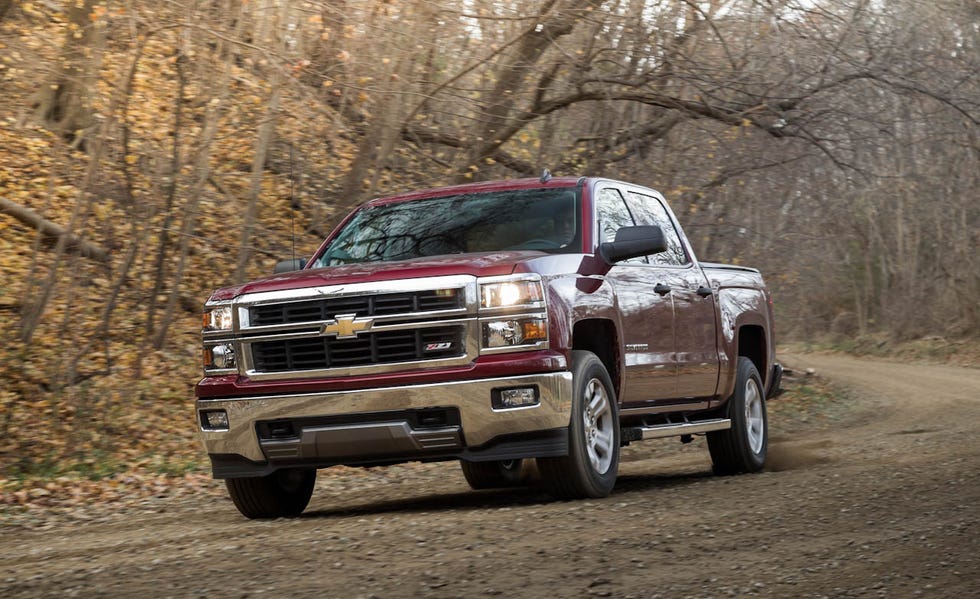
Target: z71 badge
(438, 346)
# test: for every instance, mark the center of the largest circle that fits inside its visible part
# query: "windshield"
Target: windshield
(526, 219)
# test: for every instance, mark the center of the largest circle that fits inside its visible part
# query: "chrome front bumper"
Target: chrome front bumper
(351, 426)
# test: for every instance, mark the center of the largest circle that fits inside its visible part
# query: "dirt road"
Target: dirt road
(882, 499)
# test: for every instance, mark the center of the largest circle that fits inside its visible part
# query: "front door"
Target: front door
(647, 316)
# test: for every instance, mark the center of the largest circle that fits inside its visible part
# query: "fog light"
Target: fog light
(518, 397)
(214, 420)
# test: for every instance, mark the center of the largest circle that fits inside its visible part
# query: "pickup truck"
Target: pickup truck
(548, 321)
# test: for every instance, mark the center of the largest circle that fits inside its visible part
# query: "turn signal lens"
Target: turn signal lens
(535, 330)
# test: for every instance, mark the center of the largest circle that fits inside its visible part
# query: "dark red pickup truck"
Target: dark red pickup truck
(552, 319)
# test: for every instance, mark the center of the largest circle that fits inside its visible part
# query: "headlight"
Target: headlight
(515, 293)
(219, 356)
(513, 332)
(218, 319)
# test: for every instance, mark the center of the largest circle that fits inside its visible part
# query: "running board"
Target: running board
(659, 431)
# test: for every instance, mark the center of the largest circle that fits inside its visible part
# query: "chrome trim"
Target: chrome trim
(662, 408)
(208, 343)
(518, 308)
(472, 398)
(408, 318)
(219, 371)
(484, 351)
(210, 307)
(471, 342)
(489, 351)
(314, 332)
(660, 431)
(470, 316)
(245, 335)
(463, 282)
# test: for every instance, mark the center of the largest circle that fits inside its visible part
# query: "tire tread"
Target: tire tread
(264, 497)
(570, 476)
(729, 453)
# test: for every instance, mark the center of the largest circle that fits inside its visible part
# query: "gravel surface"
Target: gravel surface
(877, 500)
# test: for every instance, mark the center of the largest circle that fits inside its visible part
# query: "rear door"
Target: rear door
(695, 343)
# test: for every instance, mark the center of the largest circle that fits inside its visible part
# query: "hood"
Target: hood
(479, 265)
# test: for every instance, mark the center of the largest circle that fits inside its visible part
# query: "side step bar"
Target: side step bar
(659, 431)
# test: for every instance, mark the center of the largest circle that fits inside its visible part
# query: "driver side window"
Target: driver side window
(614, 215)
(650, 211)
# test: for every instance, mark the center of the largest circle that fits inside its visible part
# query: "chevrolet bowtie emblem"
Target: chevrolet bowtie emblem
(346, 326)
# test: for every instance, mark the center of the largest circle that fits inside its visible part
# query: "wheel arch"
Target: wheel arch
(752, 344)
(599, 336)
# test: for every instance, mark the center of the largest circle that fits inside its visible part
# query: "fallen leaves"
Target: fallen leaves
(37, 503)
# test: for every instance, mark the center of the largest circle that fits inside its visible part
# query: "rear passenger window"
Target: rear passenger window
(649, 210)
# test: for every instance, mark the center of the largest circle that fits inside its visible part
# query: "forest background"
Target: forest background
(150, 152)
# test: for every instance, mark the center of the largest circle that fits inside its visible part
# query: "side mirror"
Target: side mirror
(289, 265)
(632, 242)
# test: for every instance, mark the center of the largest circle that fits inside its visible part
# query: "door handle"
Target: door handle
(704, 291)
(662, 289)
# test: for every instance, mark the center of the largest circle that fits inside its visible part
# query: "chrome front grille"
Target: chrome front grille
(362, 328)
(382, 304)
(386, 347)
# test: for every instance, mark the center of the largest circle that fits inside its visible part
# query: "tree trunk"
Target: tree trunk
(34, 308)
(53, 231)
(262, 141)
(202, 173)
(160, 266)
(558, 18)
(5, 6)
(64, 104)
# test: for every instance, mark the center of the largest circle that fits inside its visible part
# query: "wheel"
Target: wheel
(493, 475)
(590, 468)
(743, 447)
(282, 494)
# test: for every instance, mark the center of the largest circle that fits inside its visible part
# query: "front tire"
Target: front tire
(589, 470)
(744, 446)
(494, 475)
(282, 494)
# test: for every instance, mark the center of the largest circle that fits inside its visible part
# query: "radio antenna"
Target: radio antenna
(292, 202)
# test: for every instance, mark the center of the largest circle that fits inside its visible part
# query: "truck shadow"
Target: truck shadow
(494, 499)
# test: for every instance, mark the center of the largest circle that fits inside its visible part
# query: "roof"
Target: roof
(503, 185)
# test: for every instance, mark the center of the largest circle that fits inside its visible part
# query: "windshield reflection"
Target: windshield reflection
(528, 219)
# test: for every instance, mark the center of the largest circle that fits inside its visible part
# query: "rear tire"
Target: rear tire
(744, 446)
(494, 475)
(282, 494)
(590, 468)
